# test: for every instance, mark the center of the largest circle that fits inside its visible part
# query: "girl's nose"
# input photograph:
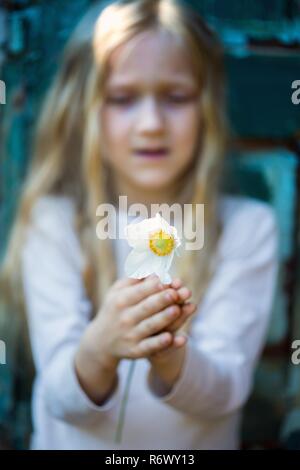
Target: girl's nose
(150, 118)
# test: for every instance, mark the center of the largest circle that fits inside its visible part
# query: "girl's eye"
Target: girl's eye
(119, 100)
(178, 99)
(126, 100)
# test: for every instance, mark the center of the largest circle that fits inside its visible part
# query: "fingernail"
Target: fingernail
(186, 291)
(172, 311)
(169, 297)
(165, 338)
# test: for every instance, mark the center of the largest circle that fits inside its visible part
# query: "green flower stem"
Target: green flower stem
(118, 436)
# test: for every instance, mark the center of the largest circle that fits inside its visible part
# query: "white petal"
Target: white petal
(175, 235)
(163, 224)
(179, 250)
(141, 264)
(138, 264)
(160, 265)
(171, 230)
(149, 224)
(136, 236)
(166, 278)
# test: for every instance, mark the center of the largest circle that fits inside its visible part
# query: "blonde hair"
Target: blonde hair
(67, 138)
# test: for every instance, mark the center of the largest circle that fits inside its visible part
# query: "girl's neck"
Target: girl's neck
(180, 193)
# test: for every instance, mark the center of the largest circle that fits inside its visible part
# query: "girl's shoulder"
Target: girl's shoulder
(51, 205)
(243, 208)
(52, 229)
(246, 223)
(54, 216)
(51, 208)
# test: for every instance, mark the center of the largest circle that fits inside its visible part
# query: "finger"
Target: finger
(187, 310)
(125, 282)
(154, 303)
(179, 341)
(156, 323)
(152, 345)
(184, 293)
(134, 294)
(176, 283)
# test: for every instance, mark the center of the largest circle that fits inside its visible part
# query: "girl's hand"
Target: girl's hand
(169, 354)
(187, 308)
(132, 323)
(167, 365)
(133, 320)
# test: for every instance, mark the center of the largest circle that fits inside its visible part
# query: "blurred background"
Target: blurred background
(262, 45)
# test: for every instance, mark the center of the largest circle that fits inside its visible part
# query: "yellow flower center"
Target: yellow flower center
(161, 243)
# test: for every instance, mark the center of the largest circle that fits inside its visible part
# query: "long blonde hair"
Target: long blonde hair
(68, 139)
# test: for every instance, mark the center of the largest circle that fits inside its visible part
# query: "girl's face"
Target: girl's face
(150, 114)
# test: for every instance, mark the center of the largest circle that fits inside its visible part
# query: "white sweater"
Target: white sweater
(203, 409)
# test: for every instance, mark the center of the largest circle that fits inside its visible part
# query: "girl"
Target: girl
(137, 109)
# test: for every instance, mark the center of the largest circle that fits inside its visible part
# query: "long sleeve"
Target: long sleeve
(57, 308)
(229, 329)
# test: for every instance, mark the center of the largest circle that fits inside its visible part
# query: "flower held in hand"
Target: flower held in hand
(154, 243)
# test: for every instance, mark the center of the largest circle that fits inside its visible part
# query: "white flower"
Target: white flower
(154, 243)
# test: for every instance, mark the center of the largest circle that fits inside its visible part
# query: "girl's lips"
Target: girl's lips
(151, 153)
